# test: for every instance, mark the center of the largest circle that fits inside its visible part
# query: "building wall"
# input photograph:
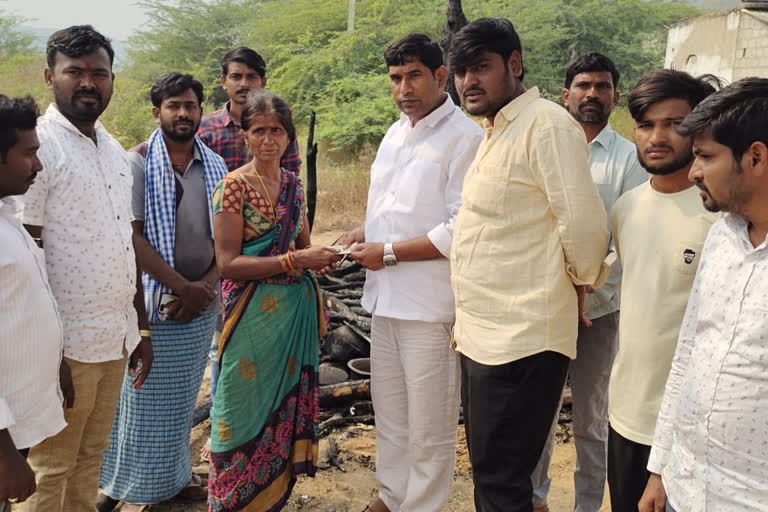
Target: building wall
(751, 57)
(705, 44)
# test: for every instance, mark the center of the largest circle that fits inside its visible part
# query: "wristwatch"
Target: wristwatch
(390, 260)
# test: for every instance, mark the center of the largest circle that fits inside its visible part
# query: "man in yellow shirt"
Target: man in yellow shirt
(531, 227)
(658, 231)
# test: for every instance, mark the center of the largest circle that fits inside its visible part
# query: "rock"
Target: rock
(343, 344)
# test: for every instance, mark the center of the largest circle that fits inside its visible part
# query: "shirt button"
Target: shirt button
(118, 217)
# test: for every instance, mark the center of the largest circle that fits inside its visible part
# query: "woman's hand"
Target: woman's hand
(316, 258)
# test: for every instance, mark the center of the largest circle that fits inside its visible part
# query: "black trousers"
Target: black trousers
(508, 411)
(627, 473)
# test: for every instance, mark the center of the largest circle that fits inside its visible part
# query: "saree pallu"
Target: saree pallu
(264, 423)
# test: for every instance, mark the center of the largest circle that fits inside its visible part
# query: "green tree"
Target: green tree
(12, 40)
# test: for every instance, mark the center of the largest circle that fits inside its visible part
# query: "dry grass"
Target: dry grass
(342, 191)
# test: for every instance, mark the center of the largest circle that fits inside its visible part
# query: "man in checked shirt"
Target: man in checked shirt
(242, 71)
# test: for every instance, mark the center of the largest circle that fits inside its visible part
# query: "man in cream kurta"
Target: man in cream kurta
(531, 227)
(414, 195)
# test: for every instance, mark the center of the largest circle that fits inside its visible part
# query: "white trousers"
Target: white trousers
(415, 385)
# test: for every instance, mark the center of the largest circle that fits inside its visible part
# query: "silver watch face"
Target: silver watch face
(390, 260)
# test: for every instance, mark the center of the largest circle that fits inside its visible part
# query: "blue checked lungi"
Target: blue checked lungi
(148, 457)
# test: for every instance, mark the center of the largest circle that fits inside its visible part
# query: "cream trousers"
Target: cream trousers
(415, 384)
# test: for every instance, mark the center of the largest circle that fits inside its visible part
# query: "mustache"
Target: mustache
(240, 91)
(593, 101)
(658, 146)
(85, 93)
(701, 185)
(473, 89)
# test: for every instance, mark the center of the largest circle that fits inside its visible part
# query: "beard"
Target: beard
(70, 108)
(667, 168)
(180, 130)
(738, 193)
(582, 115)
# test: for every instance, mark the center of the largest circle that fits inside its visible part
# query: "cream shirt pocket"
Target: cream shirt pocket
(485, 190)
(686, 256)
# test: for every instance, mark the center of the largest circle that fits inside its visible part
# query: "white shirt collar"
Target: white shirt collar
(55, 115)
(605, 138)
(434, 117)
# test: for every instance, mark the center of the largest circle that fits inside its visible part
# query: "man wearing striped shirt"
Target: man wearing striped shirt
(30, 401)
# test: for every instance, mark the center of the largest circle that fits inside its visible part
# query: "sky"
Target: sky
(114, 18)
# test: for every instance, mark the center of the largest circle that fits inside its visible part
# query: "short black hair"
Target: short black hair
(76, 41)
(590, 62)
(663, 84)
(263, 102)
(246, 56)
(415, 46)
(736, 115)
(15, 114)
(174, 84)
(495, 35)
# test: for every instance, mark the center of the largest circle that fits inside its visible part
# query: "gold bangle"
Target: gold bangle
(281, 259)
(145, 333)
(289, 259)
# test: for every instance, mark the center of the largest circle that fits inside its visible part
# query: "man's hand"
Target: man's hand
(179, 311)
(654, 498)
(350, 237)
(581, 293)
(67, 386)
(17, 481)
(197, 295)
(144, 353)
(371, 255)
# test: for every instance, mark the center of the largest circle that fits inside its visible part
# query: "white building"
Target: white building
(730, 44)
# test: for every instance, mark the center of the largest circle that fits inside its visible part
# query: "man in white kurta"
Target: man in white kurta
(413, 199)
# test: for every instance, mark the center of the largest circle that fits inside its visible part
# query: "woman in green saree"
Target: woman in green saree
(263, 430)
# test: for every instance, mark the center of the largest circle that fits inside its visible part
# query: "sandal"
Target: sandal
(196, 489)
(376, 506)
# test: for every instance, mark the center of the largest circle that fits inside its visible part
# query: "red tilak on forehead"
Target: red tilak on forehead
(88, 67)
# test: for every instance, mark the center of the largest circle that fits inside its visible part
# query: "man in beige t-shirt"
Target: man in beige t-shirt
(658, 230)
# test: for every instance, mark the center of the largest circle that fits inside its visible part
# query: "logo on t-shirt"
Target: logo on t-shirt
(688, 256)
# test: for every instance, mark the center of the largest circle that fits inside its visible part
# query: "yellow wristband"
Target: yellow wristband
(145, 333)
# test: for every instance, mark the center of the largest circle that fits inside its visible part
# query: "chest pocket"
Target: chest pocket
(686, 256)
(485, 188)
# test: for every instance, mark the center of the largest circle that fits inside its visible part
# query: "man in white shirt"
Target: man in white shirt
(710, 448)
(590, 94)
(81, 208)
(658, 232)
(413, 198)
(31, 339)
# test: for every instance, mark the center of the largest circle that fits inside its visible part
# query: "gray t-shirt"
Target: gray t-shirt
(193, 253)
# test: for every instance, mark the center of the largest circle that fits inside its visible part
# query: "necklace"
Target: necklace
(266, 192)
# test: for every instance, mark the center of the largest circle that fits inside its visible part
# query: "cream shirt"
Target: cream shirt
(415, 191)
(711, 438)
(530, 226)
(658, 238)
(30, 338)
(83, 202)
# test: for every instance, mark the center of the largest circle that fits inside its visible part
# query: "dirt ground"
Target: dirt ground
(350, 489)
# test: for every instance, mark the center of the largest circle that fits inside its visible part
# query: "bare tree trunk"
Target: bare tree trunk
(311, 172)
(455, 21)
